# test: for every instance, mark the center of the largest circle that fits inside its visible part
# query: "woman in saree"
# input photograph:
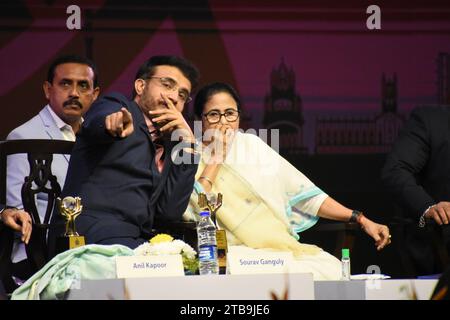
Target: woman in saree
(266, 200)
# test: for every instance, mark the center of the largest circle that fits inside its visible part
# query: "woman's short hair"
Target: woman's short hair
(205, 93)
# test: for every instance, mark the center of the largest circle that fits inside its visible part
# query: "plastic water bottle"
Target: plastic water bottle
(345, 264)
(207, 245)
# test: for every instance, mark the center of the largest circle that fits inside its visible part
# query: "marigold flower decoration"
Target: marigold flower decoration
(162, 237)
(165, 244)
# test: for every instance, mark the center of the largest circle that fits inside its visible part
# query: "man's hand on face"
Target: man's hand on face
(119, 124)
(170, 119)
(18, 220)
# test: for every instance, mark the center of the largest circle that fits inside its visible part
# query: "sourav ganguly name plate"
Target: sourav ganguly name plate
(259, 263)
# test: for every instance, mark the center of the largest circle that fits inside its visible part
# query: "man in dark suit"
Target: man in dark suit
(417, 174)
(125, 165)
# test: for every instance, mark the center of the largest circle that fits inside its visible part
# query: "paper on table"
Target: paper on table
(369, 276)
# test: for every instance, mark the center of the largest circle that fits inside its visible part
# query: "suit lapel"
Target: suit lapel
(140, 121)
(51, 129)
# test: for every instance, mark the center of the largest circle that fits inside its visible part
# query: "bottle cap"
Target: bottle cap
(345, 253)
(204, 213)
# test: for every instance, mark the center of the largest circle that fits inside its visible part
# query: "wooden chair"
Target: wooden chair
(41, 179)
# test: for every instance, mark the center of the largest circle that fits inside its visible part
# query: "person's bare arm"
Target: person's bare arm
(331, 209)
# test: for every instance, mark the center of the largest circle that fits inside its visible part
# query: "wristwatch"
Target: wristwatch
(356, 216)
(422, 220)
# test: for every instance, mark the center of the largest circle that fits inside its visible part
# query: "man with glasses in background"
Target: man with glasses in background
(122, 166)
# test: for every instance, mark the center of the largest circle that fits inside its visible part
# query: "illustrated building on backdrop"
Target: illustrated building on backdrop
(370, 134)
(283, 110)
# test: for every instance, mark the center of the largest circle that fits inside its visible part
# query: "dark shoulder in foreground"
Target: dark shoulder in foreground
(431, 110)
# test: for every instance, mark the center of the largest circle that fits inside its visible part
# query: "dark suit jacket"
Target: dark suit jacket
(417, 171)
(417, 175)
(121, 189)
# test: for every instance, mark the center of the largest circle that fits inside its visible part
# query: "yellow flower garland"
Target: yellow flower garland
(162, 237)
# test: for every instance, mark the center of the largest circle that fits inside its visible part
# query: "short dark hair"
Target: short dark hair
(72, 59)
(205, 93)
(187, 68)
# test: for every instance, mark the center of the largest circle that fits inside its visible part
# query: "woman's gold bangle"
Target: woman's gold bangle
(207, 180)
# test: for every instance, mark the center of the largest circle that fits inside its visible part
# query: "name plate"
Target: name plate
(149, 266)
(261, 262)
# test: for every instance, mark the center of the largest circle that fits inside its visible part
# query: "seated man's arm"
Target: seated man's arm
(177, 191)
(108, 119)
(17, 169)
(407, 159)
(180, 181)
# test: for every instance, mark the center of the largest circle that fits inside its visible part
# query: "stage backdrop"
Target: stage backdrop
(338, 79)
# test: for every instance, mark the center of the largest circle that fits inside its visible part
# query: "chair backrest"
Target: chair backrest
(40, 179)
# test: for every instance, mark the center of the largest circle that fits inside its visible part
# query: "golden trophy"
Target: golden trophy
(212, 205)
(70, 208)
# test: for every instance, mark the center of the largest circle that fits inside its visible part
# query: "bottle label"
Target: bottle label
(207, 253)
(346, 269)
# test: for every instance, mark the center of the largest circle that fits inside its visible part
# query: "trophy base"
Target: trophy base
(222, 248)
(64, 243)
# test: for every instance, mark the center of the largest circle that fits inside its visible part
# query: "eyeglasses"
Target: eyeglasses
(171, 85)
(231, 115)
